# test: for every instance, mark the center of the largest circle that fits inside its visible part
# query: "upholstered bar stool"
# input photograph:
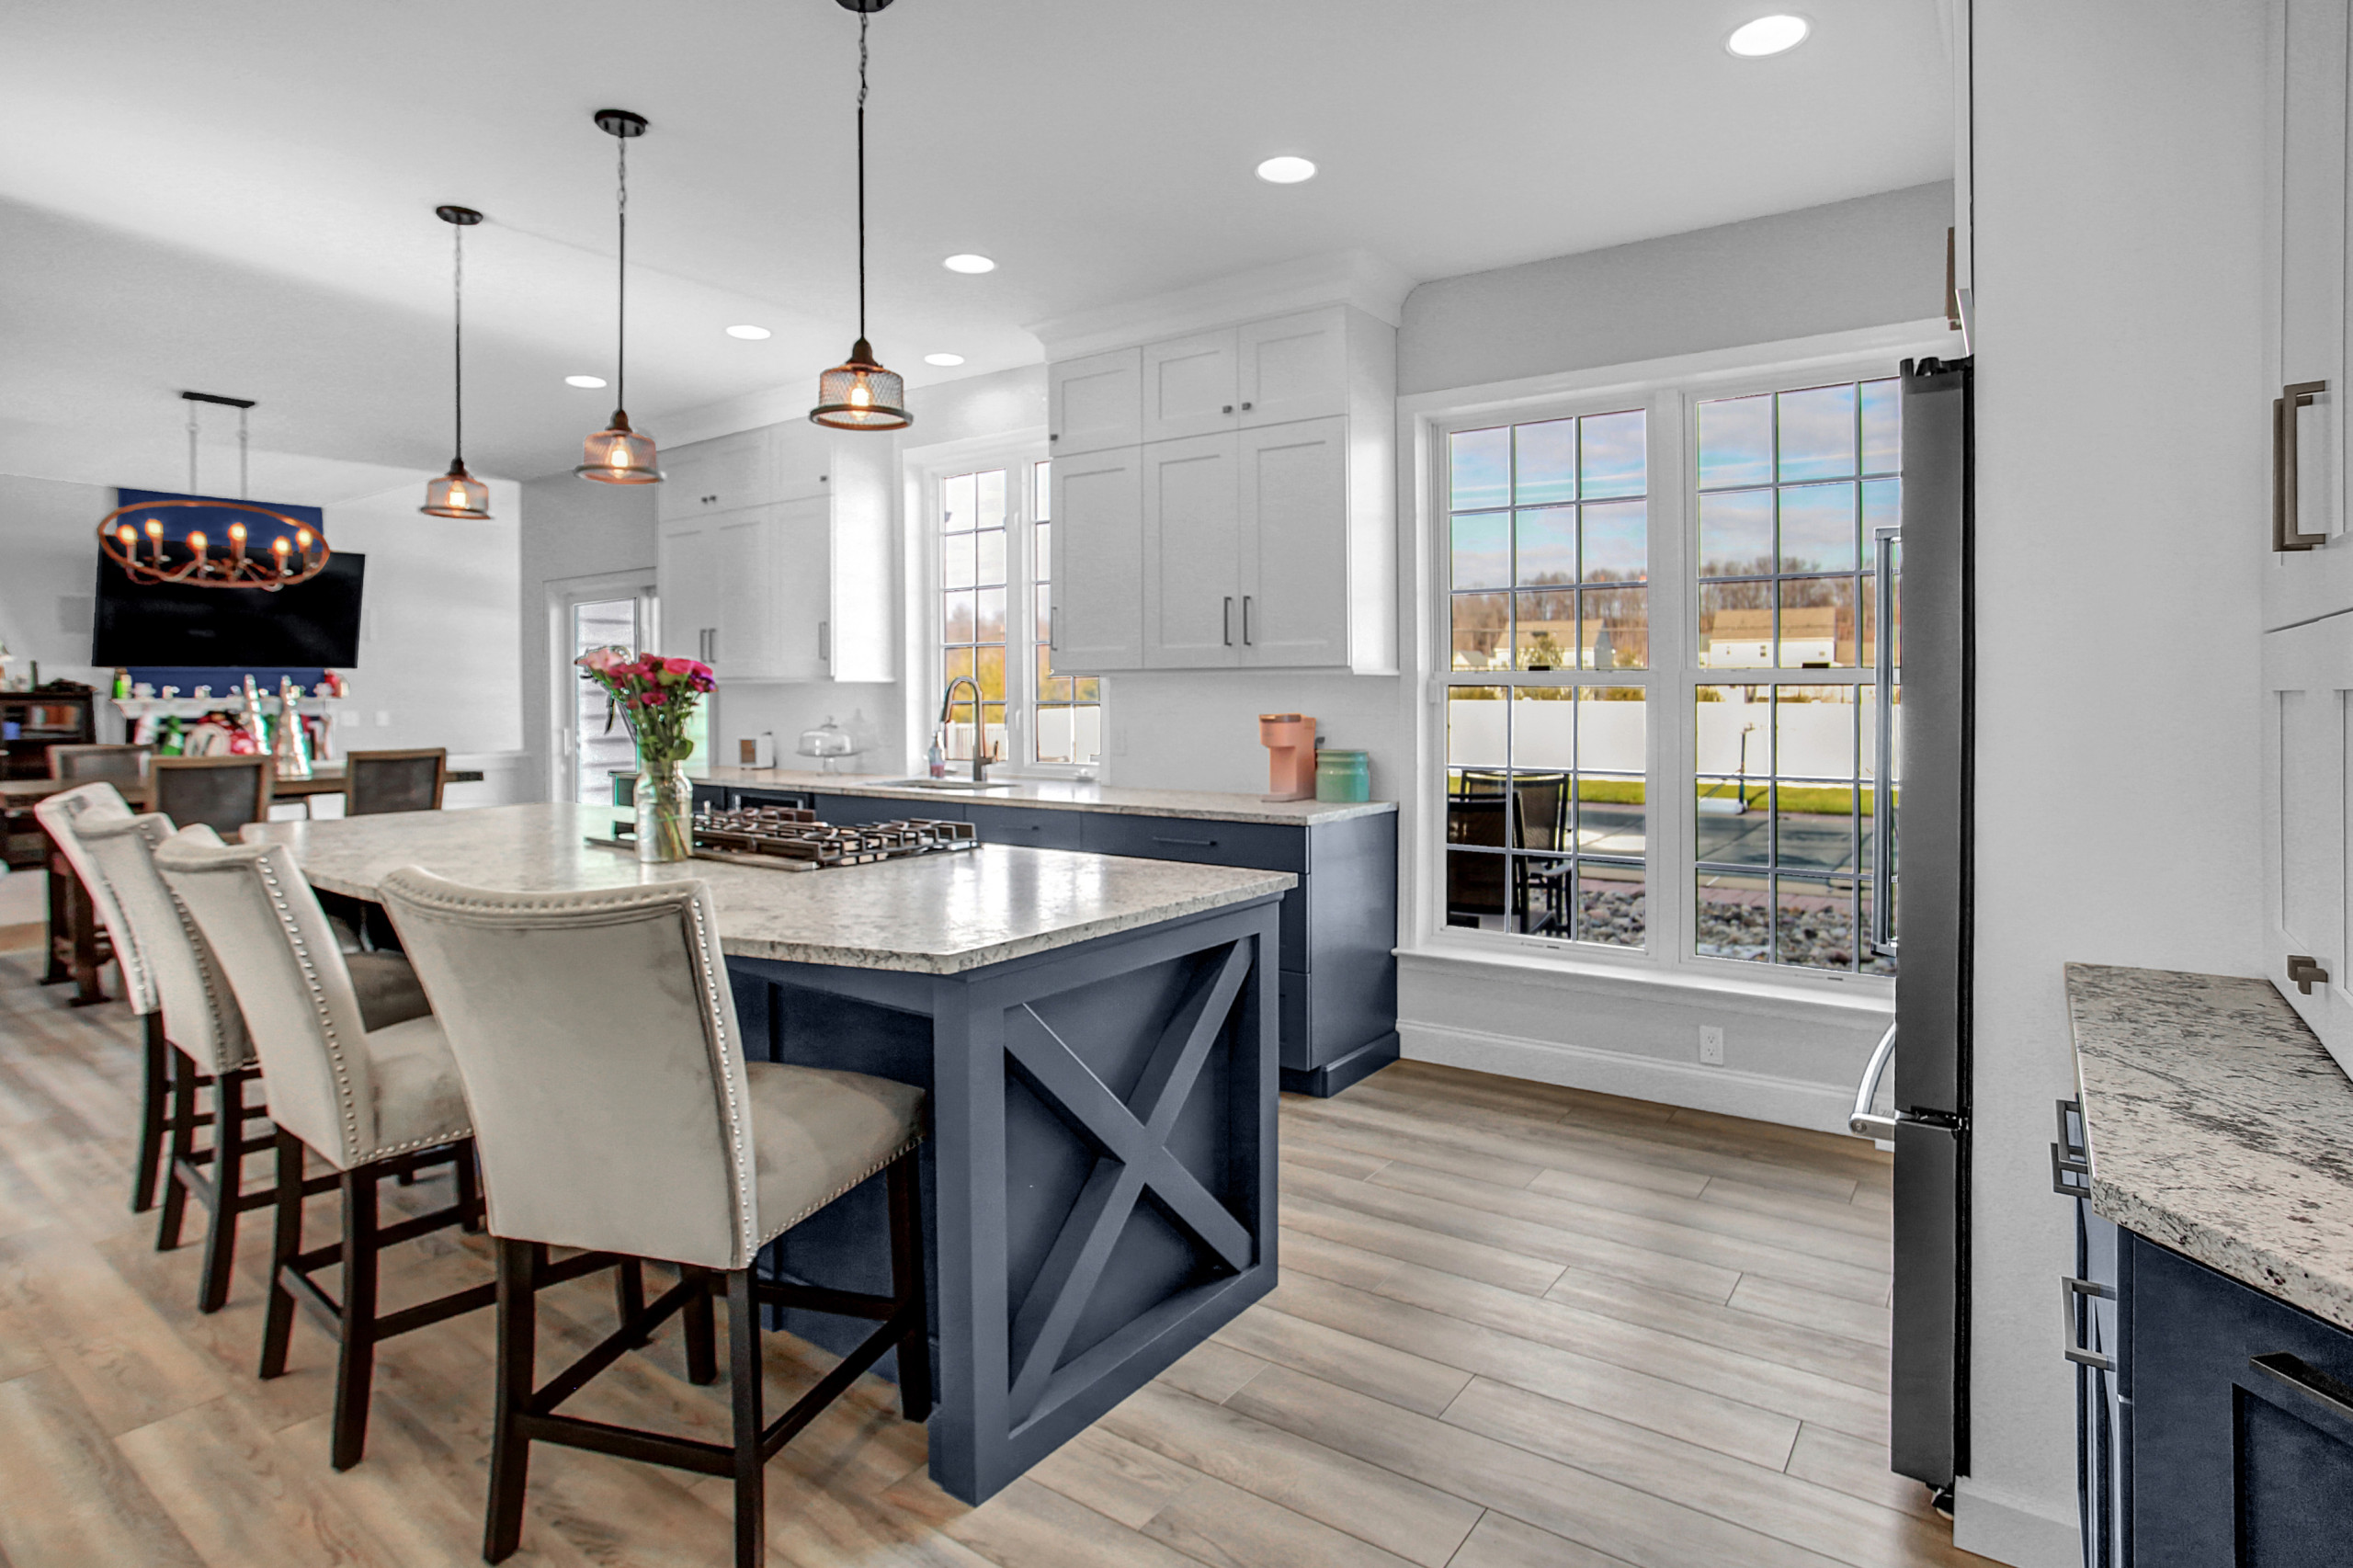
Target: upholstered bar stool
(370, 1102)
(207, 1034)
(62, 815)
(597, 1040)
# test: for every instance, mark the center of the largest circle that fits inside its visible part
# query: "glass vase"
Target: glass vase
(666, 814)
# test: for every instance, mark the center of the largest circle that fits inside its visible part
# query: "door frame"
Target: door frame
(561, 595)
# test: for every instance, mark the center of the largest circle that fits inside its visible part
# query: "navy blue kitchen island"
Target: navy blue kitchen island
(1099, 1037)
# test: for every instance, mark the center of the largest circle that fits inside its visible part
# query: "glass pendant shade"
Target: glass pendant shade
(859, 395)
(618, 455)
(457, 493)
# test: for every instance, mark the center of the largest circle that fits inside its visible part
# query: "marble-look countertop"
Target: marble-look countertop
(2219, 1127)
(930, 914)
(1057, 795)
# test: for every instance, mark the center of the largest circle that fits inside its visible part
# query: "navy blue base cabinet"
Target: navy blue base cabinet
(1338, 989)
(2215, 1423)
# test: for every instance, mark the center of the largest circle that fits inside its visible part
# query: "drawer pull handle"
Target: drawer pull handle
(2303, 970)
(2306, 1380)
(2069, 1289)
(1189, 842)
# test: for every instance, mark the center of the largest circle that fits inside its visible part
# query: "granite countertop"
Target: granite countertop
(1056, 794)
(2219, 1127)
(931, 915)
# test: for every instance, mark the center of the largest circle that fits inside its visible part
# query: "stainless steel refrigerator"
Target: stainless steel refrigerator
(1921, 914)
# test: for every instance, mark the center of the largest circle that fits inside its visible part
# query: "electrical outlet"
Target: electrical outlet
(1711, 1046)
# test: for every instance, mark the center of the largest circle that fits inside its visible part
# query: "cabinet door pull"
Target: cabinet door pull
(1245, 408)
(2286, 515)
(1227, 409)
(2070, 1288)
(1187, 842)
(2306, 1380)
(1229, 621)
(2302, 970)
(1053, 437)
(1245, 620)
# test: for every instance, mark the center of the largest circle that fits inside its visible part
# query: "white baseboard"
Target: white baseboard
(1791, 1102)
(2008, 1531)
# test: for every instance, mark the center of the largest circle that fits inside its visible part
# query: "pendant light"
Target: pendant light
(859, 395)
(617, 454)
(458, 494)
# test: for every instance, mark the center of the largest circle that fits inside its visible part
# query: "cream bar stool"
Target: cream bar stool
(372, 1102)
(597, 1037)
(65, 814)
(207, 1034)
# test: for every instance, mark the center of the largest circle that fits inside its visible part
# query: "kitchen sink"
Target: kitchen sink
(952, 786)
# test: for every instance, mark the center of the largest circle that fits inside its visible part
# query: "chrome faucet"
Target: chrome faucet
(980, 732)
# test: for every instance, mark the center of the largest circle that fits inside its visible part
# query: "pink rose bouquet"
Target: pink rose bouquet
(655, 696)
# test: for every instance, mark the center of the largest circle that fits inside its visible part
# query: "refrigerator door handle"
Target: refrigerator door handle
(1863, 1120)
(2071, 1291)
(1882, 932)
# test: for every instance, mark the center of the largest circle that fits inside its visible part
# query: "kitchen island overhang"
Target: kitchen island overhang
(1098, 1036)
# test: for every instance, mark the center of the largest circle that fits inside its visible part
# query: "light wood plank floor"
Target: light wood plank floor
(1519, 1327)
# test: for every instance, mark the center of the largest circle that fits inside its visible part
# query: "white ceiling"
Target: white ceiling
(238, 198)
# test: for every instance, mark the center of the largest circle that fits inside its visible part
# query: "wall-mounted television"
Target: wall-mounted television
(312, 624)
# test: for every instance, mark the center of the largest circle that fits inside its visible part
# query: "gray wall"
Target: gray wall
(570, 529)
(1868, 262)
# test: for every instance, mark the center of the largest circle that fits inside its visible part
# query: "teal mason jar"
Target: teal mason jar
(1342, 776)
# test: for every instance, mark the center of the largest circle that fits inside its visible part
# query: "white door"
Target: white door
(689, 582)
(1189, 385)
(2307, 673)
(1294, 368)
(1294, 543)
(1192, 588)
(2309, 349)
(585, 748)
(1095, 619)
(1092, 403)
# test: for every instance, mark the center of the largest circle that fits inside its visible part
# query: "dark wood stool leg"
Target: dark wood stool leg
(228, 1186)
(468, 1173)
(629, 1293)
(702, 1350)
(907, 1285)
(286, 1242)
(743, 1377)
(153, 1092)
(510, 1453)
(355, 1368)
(183, 1122)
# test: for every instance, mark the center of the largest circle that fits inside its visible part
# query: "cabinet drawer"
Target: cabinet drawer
(1261, 844)
(1031, 825)
(851, 811)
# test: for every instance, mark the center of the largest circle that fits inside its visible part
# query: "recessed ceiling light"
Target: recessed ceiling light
(943, 359)
(969, 263)
(583, 380)
(1768, 35)
(751, 334)
(1286, 170)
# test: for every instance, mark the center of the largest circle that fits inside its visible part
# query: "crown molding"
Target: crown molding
(1355, 277)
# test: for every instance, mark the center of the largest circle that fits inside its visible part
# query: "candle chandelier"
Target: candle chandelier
(617, 454)
(859, 395)
(257, 547)
(458, 494)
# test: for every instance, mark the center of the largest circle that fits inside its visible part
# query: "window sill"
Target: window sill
(1866, 996)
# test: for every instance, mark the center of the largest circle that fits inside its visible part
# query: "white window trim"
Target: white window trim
(1669, 389)
(930, 469)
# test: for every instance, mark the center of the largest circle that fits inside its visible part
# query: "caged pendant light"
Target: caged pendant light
(617, 454)
(859, 395)
(458, 494)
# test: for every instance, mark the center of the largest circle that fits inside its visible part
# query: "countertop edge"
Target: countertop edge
(1184, 804)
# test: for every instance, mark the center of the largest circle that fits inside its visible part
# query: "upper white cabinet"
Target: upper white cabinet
(1262, 524)
(765, 589)
(2311, 570)
(1092, 403)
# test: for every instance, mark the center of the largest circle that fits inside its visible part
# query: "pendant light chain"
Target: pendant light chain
(621, 345)
(862, 18)
(457, 330)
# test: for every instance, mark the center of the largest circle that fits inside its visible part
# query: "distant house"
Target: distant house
(1742, 639)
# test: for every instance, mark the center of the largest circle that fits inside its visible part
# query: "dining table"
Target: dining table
(1098, 1036)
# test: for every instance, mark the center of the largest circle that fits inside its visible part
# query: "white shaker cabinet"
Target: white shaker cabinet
(1095, 599)
(1292, 367)
(1192, 554)
(1189, 385)
(1292, 490)
(686, 569)
(2307, 678)
(1094, 403)
(725, 474)
(2311, 570)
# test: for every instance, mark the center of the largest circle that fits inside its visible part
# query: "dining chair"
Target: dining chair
(376, 781)
(209, 1045)
(597, 1035)
(372, 1102)
(80, 763)
(222, 792)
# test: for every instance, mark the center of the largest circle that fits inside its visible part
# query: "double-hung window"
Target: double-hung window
(1657, 620)
(993, 546)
